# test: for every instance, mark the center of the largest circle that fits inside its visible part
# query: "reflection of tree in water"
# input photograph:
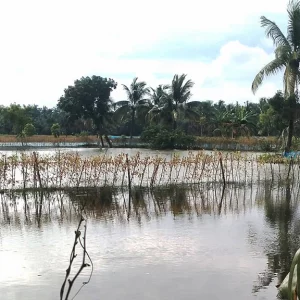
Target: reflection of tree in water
(107, 203)
(97, 202)
(175, 199)
(111, 204)
(34, 208)
(280, 213)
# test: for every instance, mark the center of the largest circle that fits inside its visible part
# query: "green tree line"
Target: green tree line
(87, 108)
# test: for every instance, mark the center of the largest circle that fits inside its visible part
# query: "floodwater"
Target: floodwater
(149, 168)
(184, 242)
(87, 152)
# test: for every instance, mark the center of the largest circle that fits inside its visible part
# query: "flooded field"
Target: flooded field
(77, 169)
(179, 242)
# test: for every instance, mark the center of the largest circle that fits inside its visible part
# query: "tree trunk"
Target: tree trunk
(292, 106)
(108, 141)
(132, 125)
(290, 134)
(101, 139)
(175, 117)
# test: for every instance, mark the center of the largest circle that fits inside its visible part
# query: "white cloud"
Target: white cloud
(46, 45)
(229, 76)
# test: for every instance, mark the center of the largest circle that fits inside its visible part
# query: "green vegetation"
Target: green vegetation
(161, 138)
(55, 130)
(287, 58)
(181, 123)
(89, 100)
(29, 130)
(136, 105)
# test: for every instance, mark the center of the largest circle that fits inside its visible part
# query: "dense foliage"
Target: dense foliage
(161, 138)
(268, 117)
(287, 58)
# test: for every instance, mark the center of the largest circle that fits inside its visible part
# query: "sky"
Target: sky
(46, 45)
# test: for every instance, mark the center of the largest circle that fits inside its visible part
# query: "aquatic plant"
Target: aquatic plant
(80, 239)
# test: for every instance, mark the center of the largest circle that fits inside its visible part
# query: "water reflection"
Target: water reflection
(270, 214)
(281, 214)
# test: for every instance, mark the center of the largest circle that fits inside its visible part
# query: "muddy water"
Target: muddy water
(184, 242)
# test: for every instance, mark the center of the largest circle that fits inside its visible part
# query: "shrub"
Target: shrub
(84, 133)
(55, 130)
(161, 138)
(150, 133)
(29, 130)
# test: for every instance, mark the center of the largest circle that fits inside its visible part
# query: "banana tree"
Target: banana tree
(243, 120)
(287, 58)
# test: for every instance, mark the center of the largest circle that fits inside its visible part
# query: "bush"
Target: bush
(160, 138)
(55, 130)
(84, 133)
(150, 133)
(29, 130)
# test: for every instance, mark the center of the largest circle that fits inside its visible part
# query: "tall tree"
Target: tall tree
(158, 94)
(16, 118)
(135, 104)
(173, 102)
(89, 98)
(180, 92)
(287, 58)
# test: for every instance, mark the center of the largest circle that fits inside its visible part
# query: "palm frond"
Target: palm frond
(274, 32)
(294, 23)
(128, 92)
(122, 113)
(185, 97)
(190, 114)
(187, 86)
(194, 103)
(133, 83)
(136, 91)
(120, 103)
(283, 52)
(271, 68)
(143, 102)
(180, 91)
(154, 114)
(159, 93)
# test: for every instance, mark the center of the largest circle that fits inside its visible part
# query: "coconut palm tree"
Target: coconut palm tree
(136, 103)
(180, 93)
(159, 93)
(287, 58)
(173, 101)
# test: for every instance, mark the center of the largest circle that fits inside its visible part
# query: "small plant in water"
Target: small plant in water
(80, 238)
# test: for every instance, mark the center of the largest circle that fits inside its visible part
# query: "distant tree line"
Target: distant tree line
(87, 108)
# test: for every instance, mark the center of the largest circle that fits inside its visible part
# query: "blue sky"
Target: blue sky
(46, 45)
